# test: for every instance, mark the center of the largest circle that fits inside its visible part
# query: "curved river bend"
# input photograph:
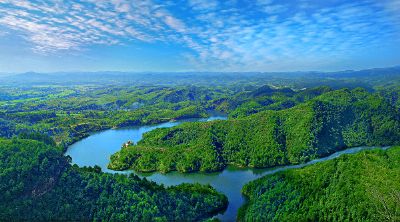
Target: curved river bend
(98, 147)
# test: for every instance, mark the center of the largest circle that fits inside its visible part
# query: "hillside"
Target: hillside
(318, 127)
(37, 183)
(359, 187)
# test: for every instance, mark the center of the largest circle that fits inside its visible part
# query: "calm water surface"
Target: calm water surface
(98, 147)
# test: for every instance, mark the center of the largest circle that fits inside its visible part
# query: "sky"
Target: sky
(198, 35)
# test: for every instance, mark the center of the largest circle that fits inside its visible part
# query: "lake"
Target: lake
(98, 147)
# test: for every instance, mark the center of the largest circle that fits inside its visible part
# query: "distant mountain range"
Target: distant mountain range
(111, 77)
(339, 74)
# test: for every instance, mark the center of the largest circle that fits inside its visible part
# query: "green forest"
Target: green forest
(358, 187)
(199, 111)
(327, 123)
(71, 113)
(38, 183)
(272, 120)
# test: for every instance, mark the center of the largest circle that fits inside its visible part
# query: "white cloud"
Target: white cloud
(324, 34)
(63, 25)
(203, 5)
(220, 34)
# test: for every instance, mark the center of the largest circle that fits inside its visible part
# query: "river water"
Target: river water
(98, 147)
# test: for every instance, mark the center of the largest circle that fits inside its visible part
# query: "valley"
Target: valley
(195, 148)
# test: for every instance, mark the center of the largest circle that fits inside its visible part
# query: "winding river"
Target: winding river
(98, 147)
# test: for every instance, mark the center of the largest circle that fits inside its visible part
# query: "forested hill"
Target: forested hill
(37, 183)
(318, 127)
(359, 187)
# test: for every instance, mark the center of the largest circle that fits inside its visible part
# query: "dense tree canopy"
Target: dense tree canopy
(38, 183)
(359, 187)
(273, 120)
(318, 127)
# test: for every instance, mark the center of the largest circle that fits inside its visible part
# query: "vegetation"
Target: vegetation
(70, 113)
(274, 119)
(38, 183)
(78, 111)
(359, 187)
(323, 125)
(68, 107)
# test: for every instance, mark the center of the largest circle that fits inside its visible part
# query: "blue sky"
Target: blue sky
(198, 35)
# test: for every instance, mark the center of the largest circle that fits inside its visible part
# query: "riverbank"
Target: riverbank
(360, 187)
(96, 149)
